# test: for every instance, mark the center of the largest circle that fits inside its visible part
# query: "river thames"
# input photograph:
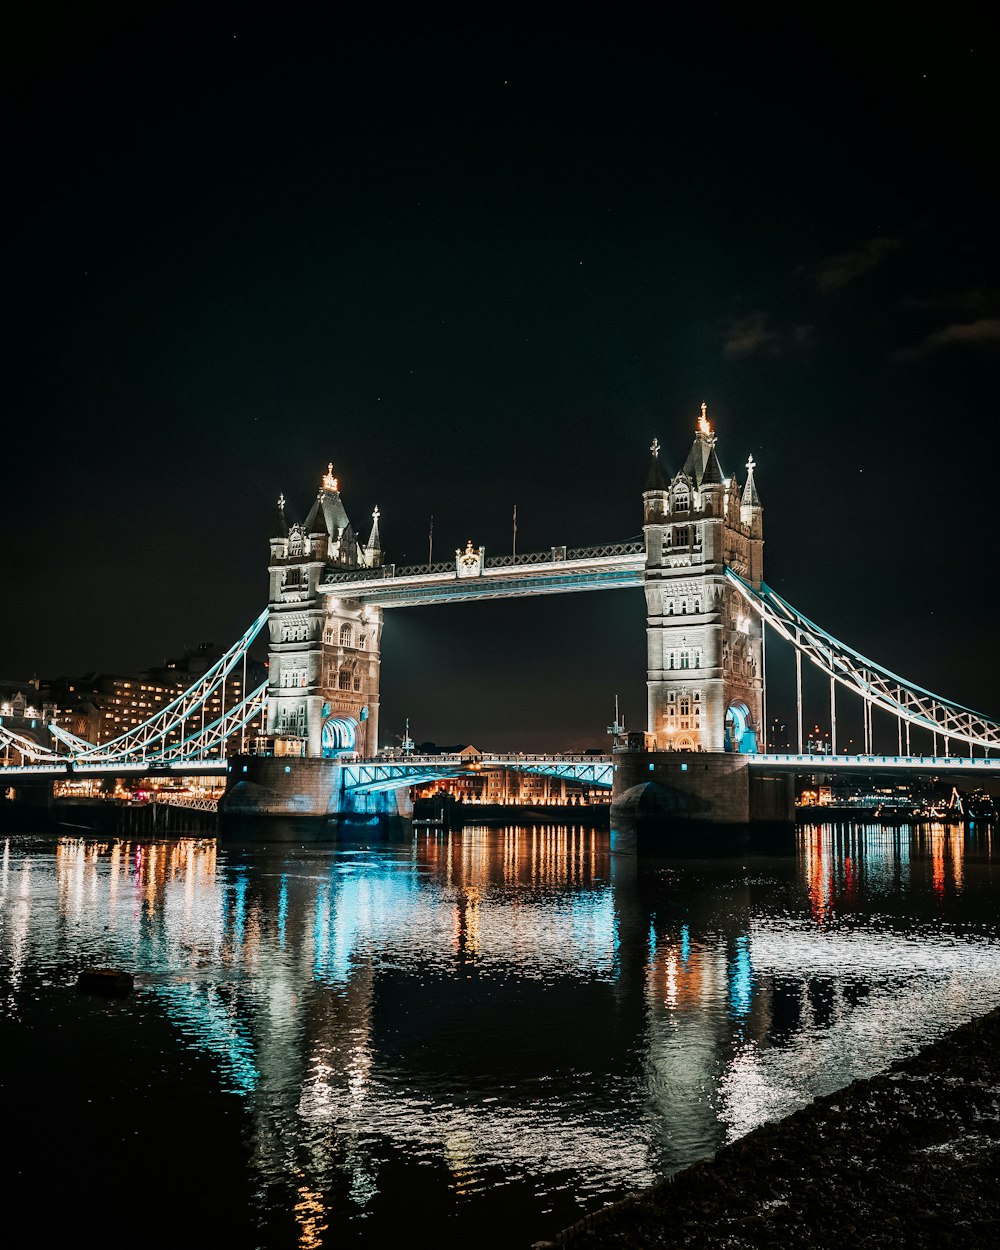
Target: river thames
(468, 1038)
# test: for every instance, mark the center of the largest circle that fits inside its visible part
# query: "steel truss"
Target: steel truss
(375, 775)
(877, 686)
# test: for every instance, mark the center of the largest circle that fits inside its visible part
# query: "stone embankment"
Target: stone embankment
(908, 1158)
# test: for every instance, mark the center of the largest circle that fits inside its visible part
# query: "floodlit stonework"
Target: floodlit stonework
(705, 663)
(323, 678)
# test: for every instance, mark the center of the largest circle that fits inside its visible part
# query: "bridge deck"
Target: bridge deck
(416, 769)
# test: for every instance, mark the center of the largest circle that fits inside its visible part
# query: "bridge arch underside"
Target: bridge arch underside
(339, 736)
(741, 733)
(373, 776)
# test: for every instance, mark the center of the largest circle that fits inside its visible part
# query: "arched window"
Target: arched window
(346, 638)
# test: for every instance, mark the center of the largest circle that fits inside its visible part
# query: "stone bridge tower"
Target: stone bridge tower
(323, 658)
(705, 663)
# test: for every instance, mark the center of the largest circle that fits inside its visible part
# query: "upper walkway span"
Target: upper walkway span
(474, 575)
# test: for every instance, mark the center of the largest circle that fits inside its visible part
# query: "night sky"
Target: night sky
(480, 265)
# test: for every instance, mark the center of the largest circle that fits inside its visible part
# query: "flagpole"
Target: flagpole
(430, 542)
(513, 548)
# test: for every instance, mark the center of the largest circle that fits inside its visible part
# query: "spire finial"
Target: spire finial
(329, 481)
(751, 465)
(703, 424)
(654, 447)
(376, 514)
(281, 503)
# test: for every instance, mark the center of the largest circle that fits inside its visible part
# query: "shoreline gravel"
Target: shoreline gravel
(910, 1157)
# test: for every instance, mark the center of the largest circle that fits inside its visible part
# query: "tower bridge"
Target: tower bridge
(307, 741)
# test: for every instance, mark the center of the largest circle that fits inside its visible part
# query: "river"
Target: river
(465, 1038)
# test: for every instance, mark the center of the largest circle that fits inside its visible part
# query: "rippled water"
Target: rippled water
(469, 1038)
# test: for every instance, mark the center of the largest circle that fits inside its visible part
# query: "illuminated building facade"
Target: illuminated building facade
(511, 787)
(101, 707)
(704, 645)
(25, 709)
(323, 694)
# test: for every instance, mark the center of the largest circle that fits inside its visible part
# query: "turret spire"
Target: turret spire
(750, 498)
(656, 479)
(374, 548)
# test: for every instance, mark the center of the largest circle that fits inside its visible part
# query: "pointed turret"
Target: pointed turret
(373, 548)
(656, 479)
(750, 499)
(329, 500)
(656, 494)
(282, 519)
(701, 452)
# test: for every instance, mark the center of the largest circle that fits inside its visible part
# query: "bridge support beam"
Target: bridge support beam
(699, 803)
(295, 799)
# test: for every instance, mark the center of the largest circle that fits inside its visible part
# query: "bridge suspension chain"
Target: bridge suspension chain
(136, 742)
(148, 742)
(877, 686)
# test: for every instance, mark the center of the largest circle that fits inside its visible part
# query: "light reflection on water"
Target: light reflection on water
(501, 1028)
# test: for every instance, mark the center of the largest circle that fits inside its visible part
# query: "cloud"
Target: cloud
(835, 272)
(975, 301)
(982, 333)
(754, 335)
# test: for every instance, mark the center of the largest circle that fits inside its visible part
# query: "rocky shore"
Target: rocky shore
(908, 1158)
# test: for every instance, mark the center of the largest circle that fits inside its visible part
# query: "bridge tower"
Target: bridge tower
(705, 667)
(323, 658)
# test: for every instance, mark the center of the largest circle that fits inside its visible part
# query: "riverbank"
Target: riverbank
(908, 1158)
(458, 815)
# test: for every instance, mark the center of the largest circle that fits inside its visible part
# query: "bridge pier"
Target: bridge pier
(699, 803)
(298, 799)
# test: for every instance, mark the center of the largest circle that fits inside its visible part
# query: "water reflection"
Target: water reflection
(507, 1020)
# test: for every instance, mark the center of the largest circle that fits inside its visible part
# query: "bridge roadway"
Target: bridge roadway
(392, 773)
(560, 569)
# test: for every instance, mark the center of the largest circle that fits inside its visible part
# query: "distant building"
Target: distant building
(25, 710)
(818, 741)
(509, 787)
(101, 707)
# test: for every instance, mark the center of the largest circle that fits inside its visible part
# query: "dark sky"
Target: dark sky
(483, 264)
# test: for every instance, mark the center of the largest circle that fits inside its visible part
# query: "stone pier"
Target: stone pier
(666, 802)
(294, 799)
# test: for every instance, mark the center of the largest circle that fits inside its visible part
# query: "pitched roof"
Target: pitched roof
(334, 514)
(316, 520)
(712, 475)
(656, 479)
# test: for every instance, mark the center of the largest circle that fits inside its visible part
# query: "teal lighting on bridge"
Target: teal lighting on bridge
(372, 776)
